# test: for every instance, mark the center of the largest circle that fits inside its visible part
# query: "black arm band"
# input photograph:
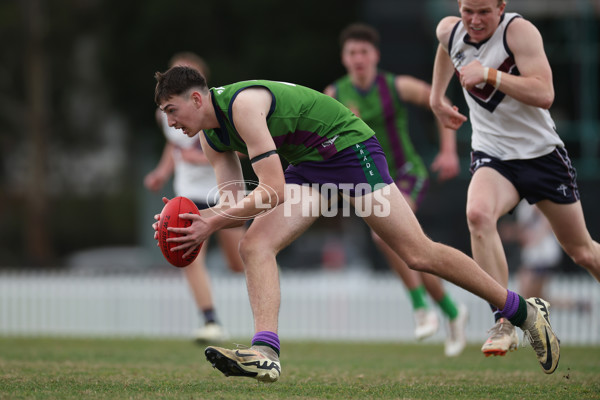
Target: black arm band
(263, 155)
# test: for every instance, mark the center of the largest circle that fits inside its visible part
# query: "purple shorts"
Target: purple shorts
(357, 170)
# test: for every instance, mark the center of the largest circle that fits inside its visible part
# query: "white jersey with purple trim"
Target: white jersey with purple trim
(502, 126)
(193, 181)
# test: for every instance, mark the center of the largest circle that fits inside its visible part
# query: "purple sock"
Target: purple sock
(511, 306)
(266, 338)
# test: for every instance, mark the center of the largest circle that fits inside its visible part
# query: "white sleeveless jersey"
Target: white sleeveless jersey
(502, 126)
(193, 181)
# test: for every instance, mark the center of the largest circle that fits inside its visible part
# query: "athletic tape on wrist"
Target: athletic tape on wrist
(498, 79)
(492, 76)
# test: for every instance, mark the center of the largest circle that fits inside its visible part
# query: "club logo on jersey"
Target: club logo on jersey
(459, 58)
(329, 142)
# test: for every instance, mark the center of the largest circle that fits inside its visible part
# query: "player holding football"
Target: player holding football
(507, 83)
(325, 143)
(194, 178)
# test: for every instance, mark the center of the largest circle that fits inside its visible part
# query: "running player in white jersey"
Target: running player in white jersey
(194, 178)
(507, 82)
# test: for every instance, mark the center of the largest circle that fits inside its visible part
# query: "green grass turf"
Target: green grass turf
(45, 368)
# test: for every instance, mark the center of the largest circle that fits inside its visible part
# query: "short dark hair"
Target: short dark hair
(359, 31)
(176, 81)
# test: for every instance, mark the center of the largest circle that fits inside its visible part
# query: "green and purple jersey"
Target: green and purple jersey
(306, 125)
(381, 108)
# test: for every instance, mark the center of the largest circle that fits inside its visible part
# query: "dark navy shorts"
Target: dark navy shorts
(356, 170)
(550, 177)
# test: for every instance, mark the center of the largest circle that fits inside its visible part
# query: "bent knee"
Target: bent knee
(479, 219)
(253, 248)
(581, 256)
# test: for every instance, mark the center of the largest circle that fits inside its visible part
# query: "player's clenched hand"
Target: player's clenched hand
(471, 74)
(449, 116)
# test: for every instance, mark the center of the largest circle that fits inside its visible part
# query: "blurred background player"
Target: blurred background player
(540, 252)
(378, 98)
(194, 178)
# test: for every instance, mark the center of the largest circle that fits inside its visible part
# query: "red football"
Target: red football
(169, 217)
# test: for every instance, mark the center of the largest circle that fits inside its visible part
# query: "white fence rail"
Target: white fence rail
(315, 306)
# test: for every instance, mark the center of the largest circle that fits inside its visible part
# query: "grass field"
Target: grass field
(32, 368)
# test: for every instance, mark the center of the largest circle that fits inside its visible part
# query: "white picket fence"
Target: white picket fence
(347, 305)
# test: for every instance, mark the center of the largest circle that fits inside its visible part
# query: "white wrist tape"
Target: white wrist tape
(498, 79)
